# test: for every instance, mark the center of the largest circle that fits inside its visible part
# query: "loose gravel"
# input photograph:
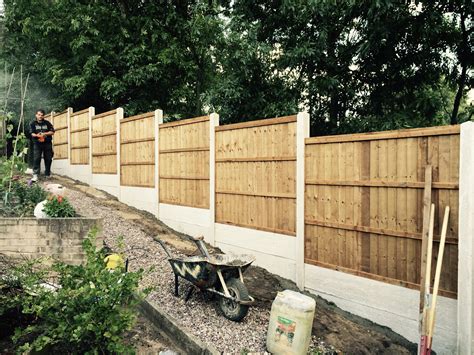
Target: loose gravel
(198, 315)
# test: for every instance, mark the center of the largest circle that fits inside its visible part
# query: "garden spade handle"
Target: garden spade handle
(431, 317)
(201, 246)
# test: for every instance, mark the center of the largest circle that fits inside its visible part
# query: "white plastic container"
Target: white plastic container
(38, 212)
(291, 321)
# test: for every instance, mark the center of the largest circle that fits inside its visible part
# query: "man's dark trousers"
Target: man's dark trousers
(45, 149)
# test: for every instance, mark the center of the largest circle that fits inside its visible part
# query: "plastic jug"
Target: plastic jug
(291, 321)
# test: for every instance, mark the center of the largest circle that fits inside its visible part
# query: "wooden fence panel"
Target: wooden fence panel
(104, 143)
(60, 138)
(79, 132)
(184, 162)
(137, 150)
(364, 203)
(256, 175)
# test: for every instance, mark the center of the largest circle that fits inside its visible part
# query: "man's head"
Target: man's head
(39, 115)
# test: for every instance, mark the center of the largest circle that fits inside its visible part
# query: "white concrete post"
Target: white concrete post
(68, 123)
(302, 132)
(465, 341)
(118, 117)
(213, 123)
(158, 120)
(90, 115)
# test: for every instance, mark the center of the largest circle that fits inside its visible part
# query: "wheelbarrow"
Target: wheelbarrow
(217, 274)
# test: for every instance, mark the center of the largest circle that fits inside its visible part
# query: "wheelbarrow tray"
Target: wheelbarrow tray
(202, 271)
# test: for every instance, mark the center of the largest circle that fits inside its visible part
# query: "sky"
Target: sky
(1, 7)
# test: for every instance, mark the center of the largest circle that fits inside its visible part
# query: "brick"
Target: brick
(32, 237)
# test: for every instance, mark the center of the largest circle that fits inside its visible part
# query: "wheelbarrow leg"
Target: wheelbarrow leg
(224, 286)
(189, 294)
(176, 285)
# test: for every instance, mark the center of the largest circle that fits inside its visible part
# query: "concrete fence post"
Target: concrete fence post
(465, 341)
(213, 123)
(158, 120)
(68, 123)
(91, 114)
(302, 132)
(118, 117)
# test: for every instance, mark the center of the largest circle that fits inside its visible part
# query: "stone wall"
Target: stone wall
(60, 238)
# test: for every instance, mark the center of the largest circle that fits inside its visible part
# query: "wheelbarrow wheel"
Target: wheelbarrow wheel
(231, 309)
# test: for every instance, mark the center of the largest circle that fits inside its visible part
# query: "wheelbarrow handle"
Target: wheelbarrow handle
(163, 245)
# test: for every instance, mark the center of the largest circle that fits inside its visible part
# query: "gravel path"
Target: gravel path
(199, 316)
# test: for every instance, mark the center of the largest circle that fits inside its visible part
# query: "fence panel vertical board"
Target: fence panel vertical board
(184, 162)
(104, 143)
(364, 203)
(137, 150)
(256, 175)
(60, 139)
(79, 132)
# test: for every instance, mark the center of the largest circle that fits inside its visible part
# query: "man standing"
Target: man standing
(41, 134)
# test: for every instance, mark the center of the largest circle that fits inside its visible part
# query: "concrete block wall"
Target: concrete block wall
(59, 238)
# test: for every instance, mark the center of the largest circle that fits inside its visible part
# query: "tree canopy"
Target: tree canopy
(354, 65)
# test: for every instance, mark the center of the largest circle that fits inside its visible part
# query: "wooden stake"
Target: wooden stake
(429, 254)
(424, 237)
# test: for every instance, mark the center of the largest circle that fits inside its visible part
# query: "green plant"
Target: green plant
(15, 164)
(22, 199)
(88, 311)
(58, 206)
(29, 194)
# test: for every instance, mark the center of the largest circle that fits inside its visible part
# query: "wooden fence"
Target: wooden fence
(79, 137)
(256, 175)
(104, 143)
(364, 202)
(60, 139)
(184, 162)
(363, 192)
(137, 150)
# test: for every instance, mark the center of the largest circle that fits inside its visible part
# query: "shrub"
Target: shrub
(88, 312)
(58, 206)
(22, 199)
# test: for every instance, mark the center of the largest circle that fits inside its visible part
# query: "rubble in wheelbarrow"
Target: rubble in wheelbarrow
(199, 316)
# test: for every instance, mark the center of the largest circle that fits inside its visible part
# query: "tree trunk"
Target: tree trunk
(457, 99)
(463, 56)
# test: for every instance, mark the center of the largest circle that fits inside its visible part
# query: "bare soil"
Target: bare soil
(147, 339)
(338, 329)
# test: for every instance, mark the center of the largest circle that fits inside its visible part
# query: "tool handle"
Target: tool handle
(431, 317)
(201, 246)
